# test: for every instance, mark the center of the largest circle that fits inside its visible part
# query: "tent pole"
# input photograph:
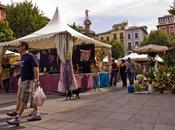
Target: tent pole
(109, 58)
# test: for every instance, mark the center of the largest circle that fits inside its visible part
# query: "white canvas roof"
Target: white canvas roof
(44, 38)
(8, 52)
(141, 57)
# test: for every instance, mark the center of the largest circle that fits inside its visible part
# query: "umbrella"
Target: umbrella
(158, 58)
(151, 49)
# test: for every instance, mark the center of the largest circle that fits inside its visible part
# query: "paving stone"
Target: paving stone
(52, 124)
(163, 127)
(107, 110)
(76, 126)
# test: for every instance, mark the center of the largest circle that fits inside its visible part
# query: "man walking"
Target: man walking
(29, 80)
(131, 71)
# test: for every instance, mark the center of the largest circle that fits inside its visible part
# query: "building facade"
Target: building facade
(2, 12)
(116, 33)
(167, 24)
(133, 37)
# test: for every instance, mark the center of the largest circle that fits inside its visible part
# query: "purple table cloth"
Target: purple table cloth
(49, 83)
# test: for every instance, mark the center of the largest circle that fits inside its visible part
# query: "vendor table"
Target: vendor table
(49, 83)
(104, 79)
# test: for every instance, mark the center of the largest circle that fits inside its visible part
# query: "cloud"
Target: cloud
(136, 11)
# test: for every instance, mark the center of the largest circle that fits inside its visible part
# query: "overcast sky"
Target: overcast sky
(105, 13)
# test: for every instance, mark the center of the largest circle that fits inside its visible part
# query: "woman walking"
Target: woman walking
(123, 73)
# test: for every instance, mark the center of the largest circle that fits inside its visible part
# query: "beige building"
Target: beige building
(167, 24)
(116, 33)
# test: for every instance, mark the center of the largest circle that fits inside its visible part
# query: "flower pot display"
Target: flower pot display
(150, 88)
(161, 90)
(173, 90)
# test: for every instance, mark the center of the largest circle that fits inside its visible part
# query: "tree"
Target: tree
(117, 49)
(6, 34)
(172, 9)
(158, 37)
(25, 18)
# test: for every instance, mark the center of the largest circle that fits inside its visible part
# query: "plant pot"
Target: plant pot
(173, 91)
(150, 81)
(161, 90)
(150, 88)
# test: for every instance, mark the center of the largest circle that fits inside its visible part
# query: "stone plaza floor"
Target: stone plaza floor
(110, 109)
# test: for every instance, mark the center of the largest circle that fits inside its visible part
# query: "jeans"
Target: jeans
(96, 82)
(6, 85)
(131, 77)
(113, 76)
(124, 78)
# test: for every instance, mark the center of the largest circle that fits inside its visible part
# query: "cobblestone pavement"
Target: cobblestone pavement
(109, 109)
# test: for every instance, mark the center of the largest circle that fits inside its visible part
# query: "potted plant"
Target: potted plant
(138, 87)
(161, 78)
(151, 69)
(171, 79)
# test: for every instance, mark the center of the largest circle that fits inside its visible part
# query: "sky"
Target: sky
(105, 13)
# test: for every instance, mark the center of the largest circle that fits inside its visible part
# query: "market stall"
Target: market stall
(141, 57)
(57, 34)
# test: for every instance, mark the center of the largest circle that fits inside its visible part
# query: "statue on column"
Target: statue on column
(87, 23)
(86, 13)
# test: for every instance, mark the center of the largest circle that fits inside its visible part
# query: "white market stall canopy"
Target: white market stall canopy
(142, 57)
(8, 52)
(106, 59)
(44, 38)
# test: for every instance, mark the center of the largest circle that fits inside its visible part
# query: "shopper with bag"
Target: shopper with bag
(29, 70)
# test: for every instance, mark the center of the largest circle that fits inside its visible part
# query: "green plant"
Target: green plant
(139, 78)
(161, 77)
(150, 65)
(138, 87)
(171, 77)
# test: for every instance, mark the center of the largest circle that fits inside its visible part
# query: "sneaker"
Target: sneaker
(30, 114)
(13, 113)
(34, 117)
(14, 121)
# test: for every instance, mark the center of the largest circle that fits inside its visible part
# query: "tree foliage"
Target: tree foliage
(6, 34)
(25, 18)
(158, 37)
(117, 49)
(172, 9)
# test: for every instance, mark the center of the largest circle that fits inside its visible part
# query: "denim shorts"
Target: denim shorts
(27, 87)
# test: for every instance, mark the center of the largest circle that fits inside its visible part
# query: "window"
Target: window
(116, 28)
(136, 44)
(136, 35)
(107, 38)
(129, 46)
(171, 29)
(115, 36)
(123, 28)
(102, 39)
(121, 36)
(129, 36)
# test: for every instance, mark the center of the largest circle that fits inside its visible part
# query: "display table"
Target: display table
(104, 79)
(49, 83)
